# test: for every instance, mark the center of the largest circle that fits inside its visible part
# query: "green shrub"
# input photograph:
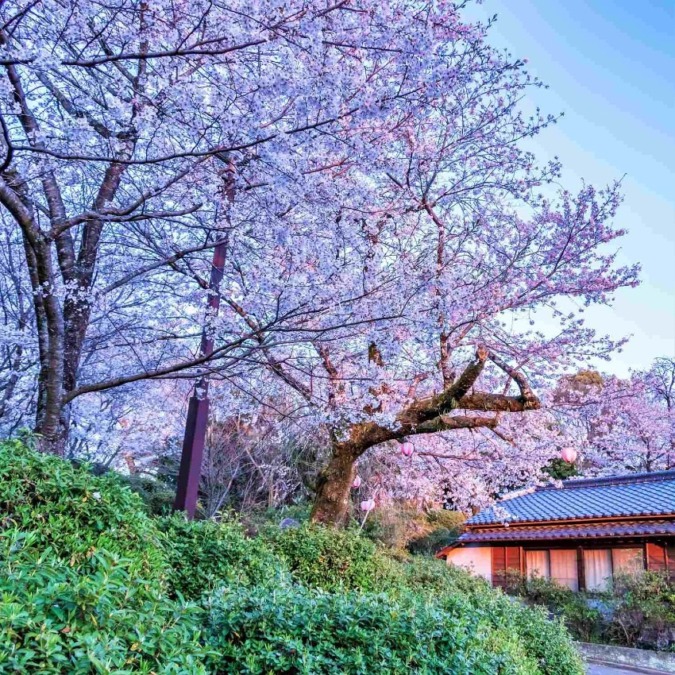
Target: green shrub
(333, 560)
(204, 554)
(548, 592)
(94, 617)
(444, 526)
(82, 576)
(291, 629)
(74, 512)
(584, 621)
(157, 496)
(643, 610)
(407, 527)
(638, 611)
(430, 576)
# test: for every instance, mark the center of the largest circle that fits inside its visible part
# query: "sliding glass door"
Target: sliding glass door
(559, 565)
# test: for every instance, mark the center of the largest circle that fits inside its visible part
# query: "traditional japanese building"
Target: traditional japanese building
(580, 534)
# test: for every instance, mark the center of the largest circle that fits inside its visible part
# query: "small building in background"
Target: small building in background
(581, 534)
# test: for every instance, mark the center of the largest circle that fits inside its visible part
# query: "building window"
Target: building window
(504, 560)
(537, 564)
(564, 568)
(559, 565)
(627, 561)
(598, 569)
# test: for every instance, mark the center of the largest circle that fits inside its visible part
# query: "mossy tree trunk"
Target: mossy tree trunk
(331, 504)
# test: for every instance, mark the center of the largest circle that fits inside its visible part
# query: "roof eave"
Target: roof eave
(582, 519)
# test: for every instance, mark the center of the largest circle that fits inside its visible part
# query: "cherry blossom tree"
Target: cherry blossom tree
(620, 425)
(121, 123)
(363, 165)
(457, 254)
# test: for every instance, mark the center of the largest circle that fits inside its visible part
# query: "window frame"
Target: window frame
(548, 550)
(581, 562)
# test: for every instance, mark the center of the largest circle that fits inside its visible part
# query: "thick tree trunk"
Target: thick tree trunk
(49, 423)
(331, 504)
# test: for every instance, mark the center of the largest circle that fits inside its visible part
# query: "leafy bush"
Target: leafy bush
(547, 592)
(406, 527)
(97, 617)
(643, 611)
(638, 611)
(89, 582)
(74, 512)
(584, 621)
(291, 629)
(333, 560)
(430, 576)
(157, 496)
(82, 576)
(203, 554)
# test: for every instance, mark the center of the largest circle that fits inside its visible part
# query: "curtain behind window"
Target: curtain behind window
(537, 564)
(564, 568)
(598, 569)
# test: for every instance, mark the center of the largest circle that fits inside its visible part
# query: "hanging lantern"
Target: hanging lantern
(407, 449)
(368, 505)
(357, 482)
(569, 455)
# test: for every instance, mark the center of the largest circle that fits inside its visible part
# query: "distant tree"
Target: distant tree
(620, 425)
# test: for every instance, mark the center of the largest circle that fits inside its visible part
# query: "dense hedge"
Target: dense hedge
(299, 630)
(204, 555)
(73, 512)
(333, 560)
(82, 576)
(55, 618)
(91, 583)
(293, 629)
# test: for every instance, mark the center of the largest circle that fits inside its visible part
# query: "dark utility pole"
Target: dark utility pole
(196, 424)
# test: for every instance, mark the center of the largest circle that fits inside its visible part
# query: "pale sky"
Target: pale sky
(610, 65)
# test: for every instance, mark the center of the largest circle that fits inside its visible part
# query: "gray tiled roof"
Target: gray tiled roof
(631, 495)
(613, 530)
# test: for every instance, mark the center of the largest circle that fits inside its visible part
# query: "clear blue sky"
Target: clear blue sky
(610, 65)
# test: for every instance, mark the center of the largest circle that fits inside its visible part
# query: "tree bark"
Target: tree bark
(331, 504)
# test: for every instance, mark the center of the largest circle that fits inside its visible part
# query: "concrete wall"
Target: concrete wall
(657, 662)
(477, 559)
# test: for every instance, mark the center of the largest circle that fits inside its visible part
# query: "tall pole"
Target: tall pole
(189, 473)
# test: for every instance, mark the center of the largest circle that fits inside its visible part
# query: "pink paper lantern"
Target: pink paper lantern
(357, 482)
(407, 449)
(368, 505)
(569, 455)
